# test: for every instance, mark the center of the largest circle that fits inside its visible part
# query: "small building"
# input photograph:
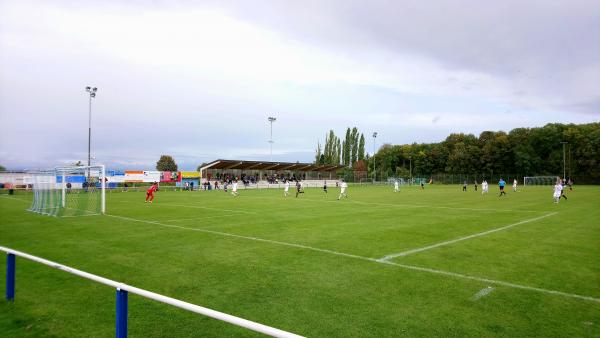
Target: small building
(267, 171)
(192, 178)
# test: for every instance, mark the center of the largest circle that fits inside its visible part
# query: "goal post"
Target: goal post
(68, 191)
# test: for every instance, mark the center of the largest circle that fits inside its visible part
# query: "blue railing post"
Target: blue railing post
(10, 277)
(121, 330)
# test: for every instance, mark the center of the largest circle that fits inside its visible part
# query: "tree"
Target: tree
(346, 151)
(521, 152)
(2, 168)
(318, 154)
(361, 148)
(166, 163)
(346, 148)
(360, 169)
(353, 145)
(332, 149)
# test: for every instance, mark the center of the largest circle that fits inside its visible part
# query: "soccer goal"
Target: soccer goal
(68, 191)
(392, 180)
(539, 180)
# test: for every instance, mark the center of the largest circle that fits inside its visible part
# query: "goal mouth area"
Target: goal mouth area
(68, 191)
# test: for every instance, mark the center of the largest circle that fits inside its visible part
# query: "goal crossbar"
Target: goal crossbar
(123, 289)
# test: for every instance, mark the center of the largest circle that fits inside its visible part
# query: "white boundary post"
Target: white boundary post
(103, 185)
(64, 186)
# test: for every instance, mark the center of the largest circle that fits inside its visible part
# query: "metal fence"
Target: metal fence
(122, 297)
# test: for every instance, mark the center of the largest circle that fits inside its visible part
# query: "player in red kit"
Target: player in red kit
(150, 192)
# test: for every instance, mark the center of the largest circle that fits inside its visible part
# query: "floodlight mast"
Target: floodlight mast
(410, 170)
(564, 161)
(92, 92)
(271, 120)
(374, 169)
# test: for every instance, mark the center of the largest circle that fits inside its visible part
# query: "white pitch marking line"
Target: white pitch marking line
(492, 281)
(87, 215)
(408, 267)
(410, 252)
(482, 293)
(244, 237)
(16, 199)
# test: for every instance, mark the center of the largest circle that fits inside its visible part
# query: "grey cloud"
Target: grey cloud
(533, 45)
(545, 53)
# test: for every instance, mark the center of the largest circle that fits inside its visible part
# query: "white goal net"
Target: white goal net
(68, 191)
(393, 180)
(540, 180)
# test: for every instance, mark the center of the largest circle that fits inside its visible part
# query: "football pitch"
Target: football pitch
(432, 262)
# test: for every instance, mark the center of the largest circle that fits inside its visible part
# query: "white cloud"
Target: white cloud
(199, 81)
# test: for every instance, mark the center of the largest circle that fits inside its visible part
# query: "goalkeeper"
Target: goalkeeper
(150, 192)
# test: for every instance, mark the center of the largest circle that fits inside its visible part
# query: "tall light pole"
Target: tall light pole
(92, 92)
(570, 163)
(564, 166)
(374, 169)
(410, 170)
(271, 120)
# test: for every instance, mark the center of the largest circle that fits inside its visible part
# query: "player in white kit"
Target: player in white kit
(515, 185)
(396, 186)
(484, 187)
(343, 188)
(234, 188)
(557, 192)
(286, 188)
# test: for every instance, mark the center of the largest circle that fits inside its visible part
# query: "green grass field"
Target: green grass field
(315, 266)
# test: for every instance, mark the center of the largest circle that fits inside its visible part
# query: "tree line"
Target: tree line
(337, 151)
(520, 152)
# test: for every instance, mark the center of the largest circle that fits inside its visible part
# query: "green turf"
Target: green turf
(309, 264)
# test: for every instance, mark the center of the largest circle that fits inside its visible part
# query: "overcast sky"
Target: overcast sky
(198, 79)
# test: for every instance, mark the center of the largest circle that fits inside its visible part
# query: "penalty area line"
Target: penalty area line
(374, 260)
(300, 246)
(433, 246)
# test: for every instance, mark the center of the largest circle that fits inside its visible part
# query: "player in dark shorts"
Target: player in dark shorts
(465, 186)
(325, 186)
(563, 182)
(501, 185)
(299, 188)
(475, 185)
